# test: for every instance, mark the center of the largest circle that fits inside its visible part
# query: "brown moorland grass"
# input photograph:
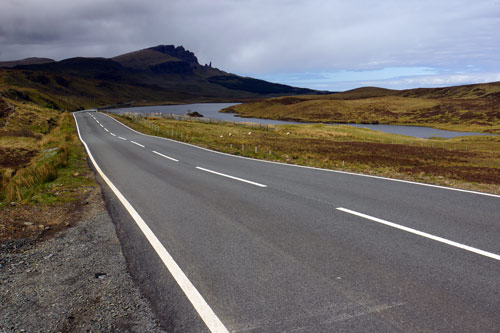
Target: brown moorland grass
(463, 108)
(466, 162)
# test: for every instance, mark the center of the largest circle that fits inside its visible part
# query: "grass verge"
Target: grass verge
(468, 162)
(44, 175)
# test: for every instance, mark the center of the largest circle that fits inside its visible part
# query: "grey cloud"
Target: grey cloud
(257, 37)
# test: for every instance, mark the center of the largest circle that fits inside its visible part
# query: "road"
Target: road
(221, 242)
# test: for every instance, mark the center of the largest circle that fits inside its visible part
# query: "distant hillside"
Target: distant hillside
(27, 61)
(471, 91)
(160, 74)
(470, 107)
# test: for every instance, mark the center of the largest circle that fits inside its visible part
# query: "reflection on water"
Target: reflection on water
(416, 131)
(211, 110)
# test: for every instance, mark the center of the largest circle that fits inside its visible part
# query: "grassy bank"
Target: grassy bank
(43, 170)
(467, 162)
(466, 108)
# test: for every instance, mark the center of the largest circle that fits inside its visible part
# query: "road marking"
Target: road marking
(97, 121)
(121, 138)
(101, 125)
(423, 234)
(135, 143)
(201, 306)
(232, 177)
(170, 158)
(106, 129)
(112, 134)
(315, 168)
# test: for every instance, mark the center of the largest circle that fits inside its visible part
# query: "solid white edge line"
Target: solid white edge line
(423, 234)
(121, 138)
(135, 143)
(232, 177)
(206, 313)
(314, 168)
(170, 158)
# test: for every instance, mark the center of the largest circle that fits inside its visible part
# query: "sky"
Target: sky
(327, 45)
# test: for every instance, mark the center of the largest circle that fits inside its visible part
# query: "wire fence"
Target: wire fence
(179, 117)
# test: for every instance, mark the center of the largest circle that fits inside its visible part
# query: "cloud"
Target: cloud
(257, 37)
(438, 80)
(334, 82)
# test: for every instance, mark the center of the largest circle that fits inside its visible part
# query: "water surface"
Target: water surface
(416, 131)
(211, 110)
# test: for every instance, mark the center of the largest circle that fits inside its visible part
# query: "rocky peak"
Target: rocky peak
(178, 52)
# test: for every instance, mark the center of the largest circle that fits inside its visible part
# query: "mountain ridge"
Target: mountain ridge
(154, 75)
(26, 61)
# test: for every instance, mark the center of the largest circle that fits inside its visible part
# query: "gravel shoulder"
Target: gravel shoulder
(75, 281)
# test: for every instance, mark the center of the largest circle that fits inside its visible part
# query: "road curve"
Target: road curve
(269, 247)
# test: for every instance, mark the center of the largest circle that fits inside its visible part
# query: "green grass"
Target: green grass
(467, 162)
(57, 172)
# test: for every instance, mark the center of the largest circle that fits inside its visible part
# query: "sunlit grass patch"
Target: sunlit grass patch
(467, 162)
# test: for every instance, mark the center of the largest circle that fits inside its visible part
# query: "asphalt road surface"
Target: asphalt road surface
(220, 242)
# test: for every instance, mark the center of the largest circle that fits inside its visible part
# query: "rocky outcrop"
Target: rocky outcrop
(178, 52)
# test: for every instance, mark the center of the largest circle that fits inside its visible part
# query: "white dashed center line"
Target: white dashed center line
(112, 134)
(232, 177)
(423, 234)
(121, 138)
(135, 143)
(170, 158)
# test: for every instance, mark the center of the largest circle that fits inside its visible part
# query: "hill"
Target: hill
(470, 107)
(160, 74)
(27, 61)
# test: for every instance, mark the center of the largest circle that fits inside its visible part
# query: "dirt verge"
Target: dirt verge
(75, 281)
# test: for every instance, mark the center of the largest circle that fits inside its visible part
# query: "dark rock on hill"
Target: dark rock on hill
(5, 110)
(177, 52)
(172, 67)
